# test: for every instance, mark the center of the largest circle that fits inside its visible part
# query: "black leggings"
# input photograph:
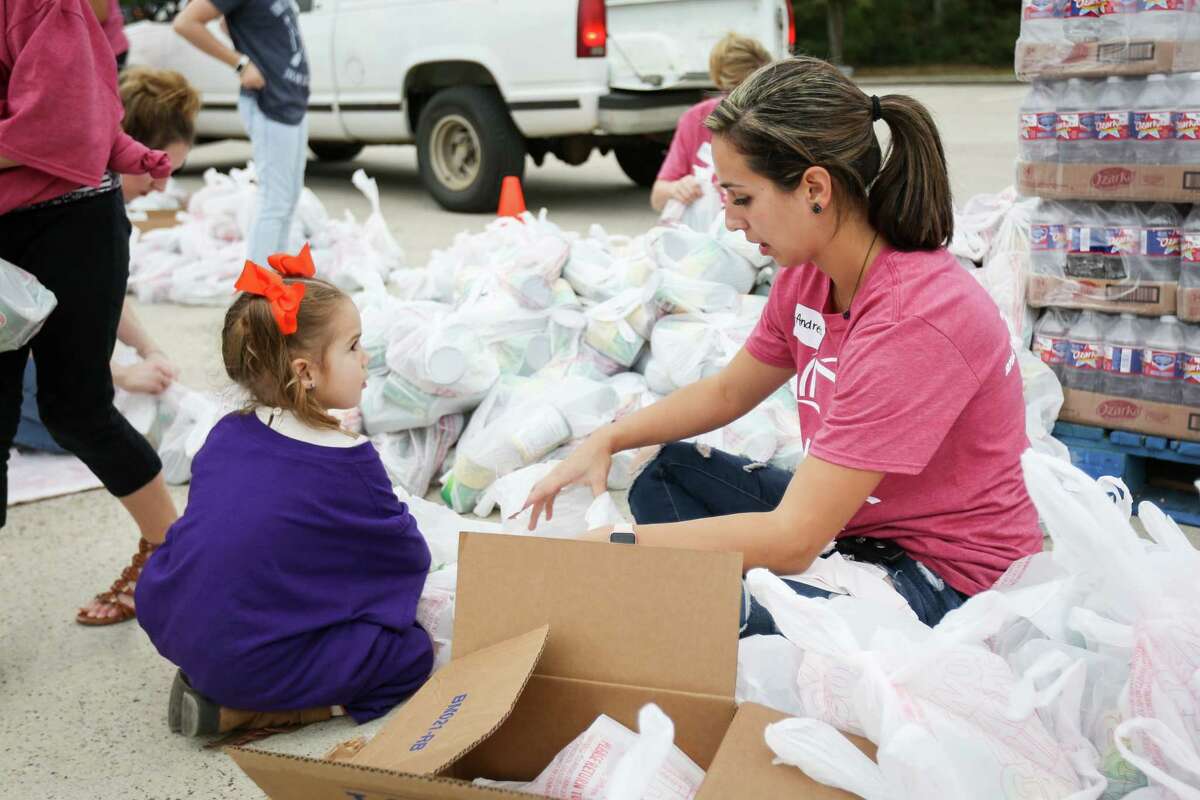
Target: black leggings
(79, 251)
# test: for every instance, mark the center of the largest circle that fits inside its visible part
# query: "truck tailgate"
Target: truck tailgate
(665, 44)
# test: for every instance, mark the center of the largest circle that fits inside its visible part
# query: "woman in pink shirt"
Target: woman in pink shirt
(62, 152)
(909, 399)
(732, 60)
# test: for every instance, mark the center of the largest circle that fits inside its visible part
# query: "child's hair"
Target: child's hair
(734, 58)
(803, 112)
(160, 106)
(258, 357)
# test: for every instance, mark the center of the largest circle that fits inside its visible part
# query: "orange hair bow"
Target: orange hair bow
(297, 266)
(284, 298)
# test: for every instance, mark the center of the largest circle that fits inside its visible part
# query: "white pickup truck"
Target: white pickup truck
(480, 84)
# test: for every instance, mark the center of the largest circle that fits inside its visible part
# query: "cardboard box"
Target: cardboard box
(152, 220)
(1147, 298)
(1188, 303)
(548, 635)
(1123, 413)
(1101, 59)
(1137, 182)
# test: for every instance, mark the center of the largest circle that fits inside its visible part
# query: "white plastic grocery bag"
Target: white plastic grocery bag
(610, 762)
(24, 306)
(937, 703)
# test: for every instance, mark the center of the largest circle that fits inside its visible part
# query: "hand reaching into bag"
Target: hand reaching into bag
(589, 464)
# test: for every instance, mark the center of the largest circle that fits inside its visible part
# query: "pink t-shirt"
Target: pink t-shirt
(690, 133)
(114, 28)
(922, 384)
(60, 113)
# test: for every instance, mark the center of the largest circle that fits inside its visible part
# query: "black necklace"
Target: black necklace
(861, 270)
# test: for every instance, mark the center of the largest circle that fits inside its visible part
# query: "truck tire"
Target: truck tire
(642, 161)
(466, 145)
(335, 151)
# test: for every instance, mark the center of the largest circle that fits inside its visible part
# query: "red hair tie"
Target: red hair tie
(284, 298)
(297, 266)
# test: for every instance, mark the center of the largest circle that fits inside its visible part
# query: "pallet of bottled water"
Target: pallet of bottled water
(1124, 371)
(1089, 38)
(1121, 138)
(1141, 258)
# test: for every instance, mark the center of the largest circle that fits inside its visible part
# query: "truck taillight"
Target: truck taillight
(592, 29)
(791, 23)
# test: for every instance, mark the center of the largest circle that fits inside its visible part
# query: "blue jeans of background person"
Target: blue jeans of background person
(280, 154)
(31, 433)
(684, 483)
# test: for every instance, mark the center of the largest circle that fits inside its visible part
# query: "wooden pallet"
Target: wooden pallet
(1160, 470)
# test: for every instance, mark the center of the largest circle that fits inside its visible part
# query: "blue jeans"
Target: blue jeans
(31, 433)
(280, 154)
(683, 483)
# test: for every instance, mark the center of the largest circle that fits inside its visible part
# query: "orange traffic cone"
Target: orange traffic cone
(512, 199)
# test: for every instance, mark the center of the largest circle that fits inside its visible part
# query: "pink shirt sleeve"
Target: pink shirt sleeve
(900, 387)
(60, 112)
(770, 342)
(684, 145)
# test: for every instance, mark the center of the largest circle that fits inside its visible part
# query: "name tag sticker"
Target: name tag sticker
(810, 327)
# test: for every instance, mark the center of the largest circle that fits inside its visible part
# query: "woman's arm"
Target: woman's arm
(8, 163)
(703, 406)
(192, 24)
(100, 7)
(132, 332)
(698, 408)
(818, 504)
(686, 190)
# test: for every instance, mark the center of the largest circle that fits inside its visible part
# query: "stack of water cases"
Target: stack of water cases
(1110, 145)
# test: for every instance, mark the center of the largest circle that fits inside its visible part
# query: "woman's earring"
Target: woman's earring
(816, 207)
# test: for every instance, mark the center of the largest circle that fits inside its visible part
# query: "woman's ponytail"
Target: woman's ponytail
(909, 202)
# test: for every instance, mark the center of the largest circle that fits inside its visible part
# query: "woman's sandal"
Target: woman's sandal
(112, 598)
(192, 714)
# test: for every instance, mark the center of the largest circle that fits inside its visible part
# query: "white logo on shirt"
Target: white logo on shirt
(809, 327)
(806, 386)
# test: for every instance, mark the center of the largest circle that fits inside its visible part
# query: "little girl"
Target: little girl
(288, 589)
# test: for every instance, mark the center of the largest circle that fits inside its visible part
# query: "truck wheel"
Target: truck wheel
(641, 161)
(466, 145)
(335, 151)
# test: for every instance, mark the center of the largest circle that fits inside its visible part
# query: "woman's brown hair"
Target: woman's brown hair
(803, 112)
(160, 106)
(258, 357)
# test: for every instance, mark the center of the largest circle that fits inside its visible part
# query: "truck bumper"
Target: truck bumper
(623, 113)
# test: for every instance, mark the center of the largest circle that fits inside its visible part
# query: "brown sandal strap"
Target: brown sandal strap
(134, 571)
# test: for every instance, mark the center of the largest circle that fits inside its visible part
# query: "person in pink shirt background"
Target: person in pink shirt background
(62, 218)
(732, 60)
(910, 402)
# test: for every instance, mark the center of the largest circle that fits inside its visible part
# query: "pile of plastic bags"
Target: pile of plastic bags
(510, 330)
(197, 261)
(1077, 676)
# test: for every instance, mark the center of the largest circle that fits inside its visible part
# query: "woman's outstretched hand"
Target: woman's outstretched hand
(589, 464)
